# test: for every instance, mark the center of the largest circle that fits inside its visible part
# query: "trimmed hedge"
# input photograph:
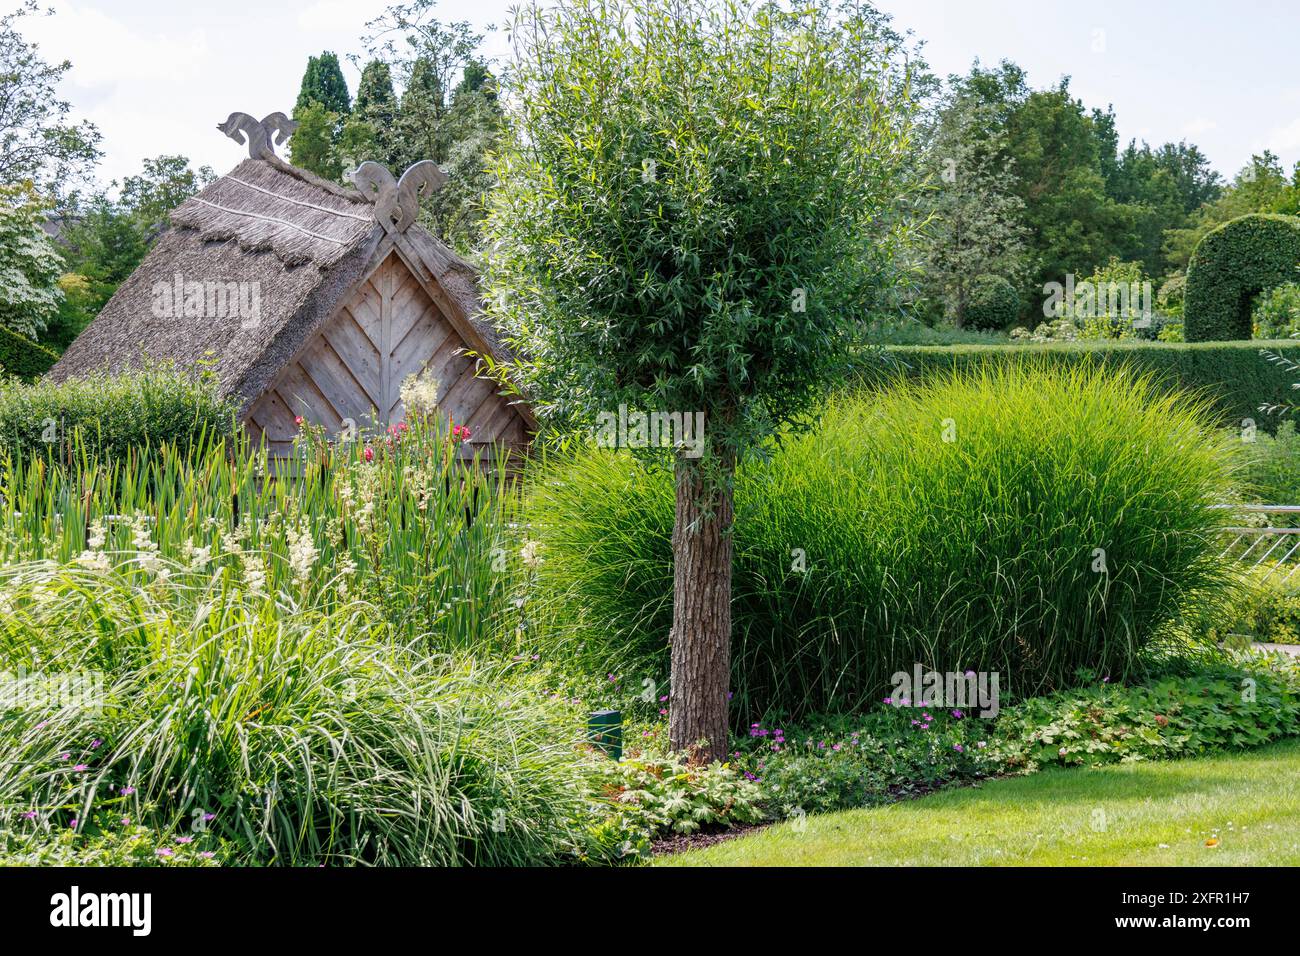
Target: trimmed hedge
(994, 304)
(1232, 375)
(1231, 265)
(23, 358)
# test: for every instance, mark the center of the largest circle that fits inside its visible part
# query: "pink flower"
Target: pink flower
(29, 815)
(369, 453)
(79, 767)
(164, 851)
(185, 839)
(297, 420)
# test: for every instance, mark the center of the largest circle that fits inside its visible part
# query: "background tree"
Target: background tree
(312, 146)
(105, 236)
(448, 112)
(38, 142)
(700, 206)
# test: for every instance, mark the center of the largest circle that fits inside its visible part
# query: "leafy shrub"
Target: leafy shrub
(1222, 708)
(644, 796)
(1231, 375)
(296, 736)
(1231, 265)
(1267, 608)
(869, 542)
(1277, 313)
(111, 415)
(993, 304)
(21, 357)
(887, 754)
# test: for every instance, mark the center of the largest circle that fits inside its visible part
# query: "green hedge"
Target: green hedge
(1233, 375)
(1231, 265)
(110, 415)
(23, 358)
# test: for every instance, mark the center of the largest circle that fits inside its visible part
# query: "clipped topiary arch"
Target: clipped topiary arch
(1231, 265)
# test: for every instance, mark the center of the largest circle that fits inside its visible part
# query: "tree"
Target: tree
(38, 143)
(312, 146)
(1260, 187)
(448, 113)
(30, 266)
(699, 209)
(975, 227)
(323, 84)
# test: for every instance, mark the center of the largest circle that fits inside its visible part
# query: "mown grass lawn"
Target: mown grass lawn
(1142, 814)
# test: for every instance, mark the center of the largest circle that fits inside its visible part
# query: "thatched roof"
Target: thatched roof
(303, 243)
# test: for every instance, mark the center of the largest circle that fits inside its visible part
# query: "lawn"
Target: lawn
(1230, 810)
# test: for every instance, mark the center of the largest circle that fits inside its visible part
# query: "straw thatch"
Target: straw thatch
(303, 243)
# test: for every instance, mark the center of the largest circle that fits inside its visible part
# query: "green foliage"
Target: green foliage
(110, 415)
(23, 358)
(1231, 266)
(104, 238)
(870, 542)
(1225, 708)
(1271, 466)
(1267, 608)
(644, 796)
(1230, 375)
(38, 142)
(1277, 312)
(30, 265)
(313, 637)
(312, 145)
(643, 256)
(107, 841)
(886, 754)
(994, 304)
(323, 85)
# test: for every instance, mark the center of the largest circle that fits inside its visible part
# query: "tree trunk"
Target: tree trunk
(701, 634)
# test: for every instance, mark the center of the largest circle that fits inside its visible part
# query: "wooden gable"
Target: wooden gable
(390, 327)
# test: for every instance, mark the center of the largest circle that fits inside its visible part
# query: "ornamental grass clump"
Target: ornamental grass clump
(1016, 520)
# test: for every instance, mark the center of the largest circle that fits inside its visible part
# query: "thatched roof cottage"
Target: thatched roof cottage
(309, 299)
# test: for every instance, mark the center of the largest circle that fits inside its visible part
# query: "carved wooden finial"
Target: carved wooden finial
(243, 128)
(397, 201)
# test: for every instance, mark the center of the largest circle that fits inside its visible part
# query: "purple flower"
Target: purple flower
(958, 714)
(185, 839)
(73, 824)
(209, 817)
(95, 744)
(207, 854)
(65, 756)
(959, 748)
(127, 791)
(164, 851)
(29, 815)
(79, 767)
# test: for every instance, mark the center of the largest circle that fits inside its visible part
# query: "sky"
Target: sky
(156, 77)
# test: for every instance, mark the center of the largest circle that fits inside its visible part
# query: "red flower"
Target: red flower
(298, 420)
(370, 453)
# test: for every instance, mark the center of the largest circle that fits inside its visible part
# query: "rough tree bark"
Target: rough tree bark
(701, 632)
